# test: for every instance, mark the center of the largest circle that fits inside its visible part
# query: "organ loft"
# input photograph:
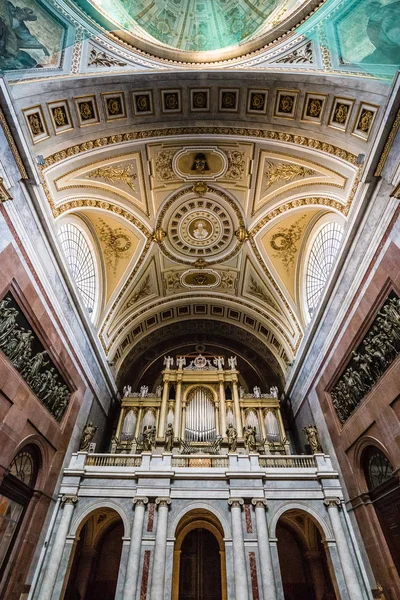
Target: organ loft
(200, 405)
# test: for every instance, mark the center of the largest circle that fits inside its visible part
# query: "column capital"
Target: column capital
(140, 500)
(259, 502)
(163, 501)
(332, 502)
(236, 502)
(68, 499)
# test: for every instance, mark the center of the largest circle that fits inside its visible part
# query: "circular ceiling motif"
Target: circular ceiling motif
(198, 26)
(200, 227)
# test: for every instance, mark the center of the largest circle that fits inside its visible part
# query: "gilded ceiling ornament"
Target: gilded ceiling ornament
(284, 242)
(115, 174)
(4, 195)
(200, 263)
(276, 172)
(117, 244)
(60, 116)
(159, 235)
(164, 165)
(300, 55)
(98, 58)
(200, 188)
(143, 291)
(12, 145)
(242, 234)
(236, 164)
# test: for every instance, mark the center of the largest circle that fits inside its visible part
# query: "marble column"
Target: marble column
(178, 400)
(217, 430)
(183, 422)
(267, 571)
(160, 548)
(49, 579)
(222, 405)
(164, 405)
(236, 405)
(343, 549)
(239, 555)
(132, 568)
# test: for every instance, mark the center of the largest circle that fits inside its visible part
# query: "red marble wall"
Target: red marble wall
(23, 419)
(375, 421)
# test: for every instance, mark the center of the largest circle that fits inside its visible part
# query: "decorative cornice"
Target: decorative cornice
(388, 145)
(260, 134)
(13, 146)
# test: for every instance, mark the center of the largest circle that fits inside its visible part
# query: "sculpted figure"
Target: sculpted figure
(256, 392)
(249, 435)
(231, 434)
(274, 392)
(87, 436)
(180, 362)
(159, 390)
(168, 362)
(232, 362)
(313, 438)
(144, 391)
(35, 364)
(241, 392)
(127, 391)
(169, 438)
(219, 362)
(148, 438)
(7, 324)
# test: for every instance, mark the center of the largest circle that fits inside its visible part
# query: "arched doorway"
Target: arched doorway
(95, 562)
(384, 493)
(199, 558)
(306, 570)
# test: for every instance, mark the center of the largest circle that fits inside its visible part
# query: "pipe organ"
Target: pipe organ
(200, 399)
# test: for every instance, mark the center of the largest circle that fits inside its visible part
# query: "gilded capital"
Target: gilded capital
(332, 502)
(163, 501)
(68, 500)
(259, 502)
(140, 500)
(236, 502)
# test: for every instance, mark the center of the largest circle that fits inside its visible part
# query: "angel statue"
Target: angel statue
(313, 439)
(232, 362)
(231, 434)
(168, 362)
(249, 435)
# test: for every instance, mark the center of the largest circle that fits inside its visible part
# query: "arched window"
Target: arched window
(80, 261)
(320, 262)
(377, 468)
(15, 493)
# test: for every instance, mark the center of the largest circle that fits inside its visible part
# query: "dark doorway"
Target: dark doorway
(200, 568)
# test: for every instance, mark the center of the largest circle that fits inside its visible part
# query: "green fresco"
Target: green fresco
(191, 25)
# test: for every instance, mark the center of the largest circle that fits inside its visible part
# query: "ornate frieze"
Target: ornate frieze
(370, 360)
(23, 348)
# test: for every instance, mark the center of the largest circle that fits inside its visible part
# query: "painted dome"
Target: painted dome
(197, 25)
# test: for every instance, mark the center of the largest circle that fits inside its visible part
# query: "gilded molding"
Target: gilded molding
(4, 195)
(13, 146)
(388, 145)
(263, 134)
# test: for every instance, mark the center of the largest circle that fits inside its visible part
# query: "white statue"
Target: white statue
(127, 391)
(232, 362)
(256, 392)
(180, 362)
(159, 390)
(200, 232)
(274, 392)
(143, 391)
(241, 392)
(219, 362)
(168, 362)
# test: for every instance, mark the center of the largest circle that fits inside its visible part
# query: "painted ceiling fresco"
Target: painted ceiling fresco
(197, 25)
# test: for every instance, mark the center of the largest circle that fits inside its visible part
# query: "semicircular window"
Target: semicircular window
(377, 468)
(80, 261)
(321, 260)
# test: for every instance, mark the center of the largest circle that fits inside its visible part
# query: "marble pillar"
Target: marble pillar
(132, 568)
(57, 549)
(346, 560)
(164, 405)
(236, 405)
(183, 422)
(239, 556)
(267, 571)
(158, 574)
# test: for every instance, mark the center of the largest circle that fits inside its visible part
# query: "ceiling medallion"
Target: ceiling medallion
(201, 227)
